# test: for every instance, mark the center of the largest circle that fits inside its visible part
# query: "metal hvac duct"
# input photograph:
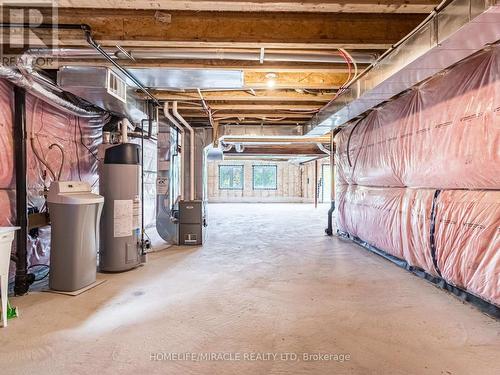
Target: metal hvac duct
(448, 35)
(103, 88)
(46, 95)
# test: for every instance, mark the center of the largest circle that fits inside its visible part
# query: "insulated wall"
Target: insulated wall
(419, 177)
(443, 134)
(46, 126)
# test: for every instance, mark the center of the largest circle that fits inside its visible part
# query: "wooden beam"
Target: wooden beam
(145, 28)
(297, 80)
(352, 6)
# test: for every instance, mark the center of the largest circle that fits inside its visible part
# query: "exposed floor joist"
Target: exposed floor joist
(235, 29)
(277, 30)
(352, 6)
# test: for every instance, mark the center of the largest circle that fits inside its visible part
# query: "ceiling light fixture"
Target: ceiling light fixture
(271, 80)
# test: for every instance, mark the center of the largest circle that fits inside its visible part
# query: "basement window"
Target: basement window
(230, 177)
(265, 177)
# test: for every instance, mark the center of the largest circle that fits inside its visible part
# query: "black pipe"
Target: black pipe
(22, 279)
(88, 35)
(329, 228)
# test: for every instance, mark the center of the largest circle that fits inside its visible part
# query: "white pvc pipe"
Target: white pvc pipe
(191, 149)
(124, 130)
(181, 129)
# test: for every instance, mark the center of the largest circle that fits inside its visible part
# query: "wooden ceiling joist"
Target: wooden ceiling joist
(351, 6)
(297, 80)
(144, 28)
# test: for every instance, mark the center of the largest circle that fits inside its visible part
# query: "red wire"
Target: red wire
(342, 88)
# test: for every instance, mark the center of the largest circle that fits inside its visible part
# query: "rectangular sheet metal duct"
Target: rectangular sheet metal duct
(457, 31)
(162, 78)
(103, 88)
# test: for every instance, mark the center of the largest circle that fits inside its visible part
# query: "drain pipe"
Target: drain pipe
(191, 150)
(329, 228)
(183, 138)
(23, 279)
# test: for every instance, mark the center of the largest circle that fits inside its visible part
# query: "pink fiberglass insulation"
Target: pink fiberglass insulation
(395, 220)
(6, 137)
(467, 241)
(416, 228)
(398, 221)
(444, 134)
(435, 139)
(374, 215)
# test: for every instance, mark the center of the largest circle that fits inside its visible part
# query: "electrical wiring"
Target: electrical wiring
(81, 139)
(350, 78)
(39, 157)
(353, 62)
(77, 151)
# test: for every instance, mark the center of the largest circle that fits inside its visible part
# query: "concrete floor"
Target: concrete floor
(267, 281)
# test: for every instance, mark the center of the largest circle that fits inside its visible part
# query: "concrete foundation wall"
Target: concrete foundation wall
(295, 183)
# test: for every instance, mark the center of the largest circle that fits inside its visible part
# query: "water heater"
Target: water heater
(120, 185)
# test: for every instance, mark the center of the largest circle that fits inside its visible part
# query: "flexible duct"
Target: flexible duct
(46, 95)
(191, 149)
(181, 130)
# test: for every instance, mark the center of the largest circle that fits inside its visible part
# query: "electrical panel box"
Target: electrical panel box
(191, 222)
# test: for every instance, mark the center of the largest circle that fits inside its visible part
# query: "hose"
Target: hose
(62, 158)
(40, 159)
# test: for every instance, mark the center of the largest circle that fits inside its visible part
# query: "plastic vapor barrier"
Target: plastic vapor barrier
(444, 134)
(468, 241)
(419, 178)
(462, 226)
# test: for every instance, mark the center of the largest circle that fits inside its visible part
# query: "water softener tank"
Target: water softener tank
(120, 184)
